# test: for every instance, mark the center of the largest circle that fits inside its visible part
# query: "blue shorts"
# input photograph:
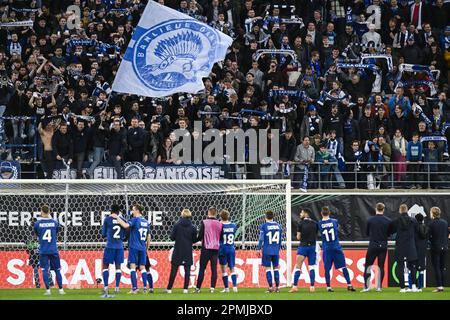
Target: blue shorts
(309, 252)
(270, 260)
(227, 257)
(137, 257)
(113, 256)
(50, 259)
(333, 256)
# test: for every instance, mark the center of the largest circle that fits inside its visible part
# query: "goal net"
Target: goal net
(80, 207)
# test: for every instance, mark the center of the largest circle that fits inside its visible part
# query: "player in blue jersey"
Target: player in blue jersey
(138, 244)
(113, 254)
(226, 250)
(270, 242)
(46, 229)
(332, 250)
(306, 233)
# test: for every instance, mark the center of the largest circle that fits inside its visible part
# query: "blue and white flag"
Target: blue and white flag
(169, 52)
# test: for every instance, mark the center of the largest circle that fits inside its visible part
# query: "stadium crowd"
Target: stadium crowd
(329, 104)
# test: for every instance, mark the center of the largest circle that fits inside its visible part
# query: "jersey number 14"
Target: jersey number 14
(273, 237)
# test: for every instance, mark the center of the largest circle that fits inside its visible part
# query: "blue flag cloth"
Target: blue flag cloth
(169, 53)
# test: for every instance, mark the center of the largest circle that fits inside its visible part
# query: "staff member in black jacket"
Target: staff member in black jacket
(438, 235)
(405, 248)
(378, 232)
(184, 234)
(136, 138)
(421, 246)
(117, 145)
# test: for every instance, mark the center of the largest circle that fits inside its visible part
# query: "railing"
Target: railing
(359, 175)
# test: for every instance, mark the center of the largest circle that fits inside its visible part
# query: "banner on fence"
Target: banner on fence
(136, 170)
(80, 269)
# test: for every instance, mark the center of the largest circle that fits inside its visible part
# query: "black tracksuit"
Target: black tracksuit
(378, 231)
(405, 246)
(438, 235)
(184, 234)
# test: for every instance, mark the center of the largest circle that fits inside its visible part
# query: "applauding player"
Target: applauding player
(226, 250)
(270, 242)
(332, 250)
(46, 230)
(138, 244)
(113, 254)
(306, 234)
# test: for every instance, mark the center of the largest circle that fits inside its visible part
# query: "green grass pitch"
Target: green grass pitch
(243, 294)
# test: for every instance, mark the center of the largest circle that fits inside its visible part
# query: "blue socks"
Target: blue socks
(133, 279)
(225, 280)
(276, 274)
(346, 275)
(420, 281)
(234, 279)
(144, 278)
(105, 278)
(312, 276)
(46, 278)
(118, 276)
(296, 276)
(150, 279)
(269, 278)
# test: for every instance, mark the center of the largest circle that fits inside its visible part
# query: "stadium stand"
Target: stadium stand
(358, 89)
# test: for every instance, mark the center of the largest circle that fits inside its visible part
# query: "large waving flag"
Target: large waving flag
(169, 52)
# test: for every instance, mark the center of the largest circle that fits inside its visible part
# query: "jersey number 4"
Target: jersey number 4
(273, 237)
(329, 234)
(47, 235)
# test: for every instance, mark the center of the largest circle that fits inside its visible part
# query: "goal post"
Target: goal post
(81, 205)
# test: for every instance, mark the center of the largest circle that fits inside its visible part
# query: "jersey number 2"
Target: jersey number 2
(116, 234)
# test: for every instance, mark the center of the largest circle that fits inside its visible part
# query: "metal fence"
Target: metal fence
(357, 175)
